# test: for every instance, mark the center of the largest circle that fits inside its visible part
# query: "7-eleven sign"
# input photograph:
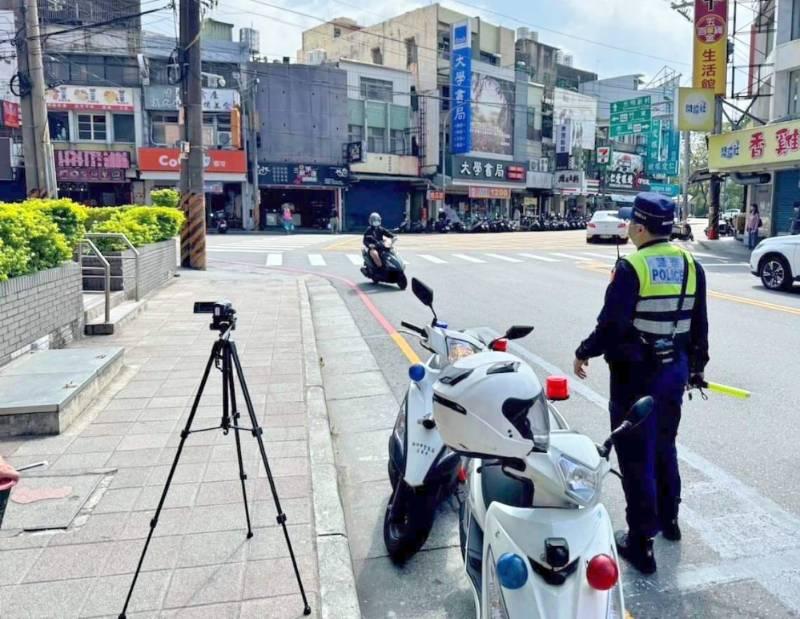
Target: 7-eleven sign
(603, 155)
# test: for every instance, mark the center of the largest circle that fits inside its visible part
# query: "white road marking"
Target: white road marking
(433, 259)
(602, 256)
(274, 260)
(355, 259)
(702, 255)
(470, 258)
(535, 257)
(572, 257)
(316, 260)
(505, 258)
(235, 250)
(725, 264)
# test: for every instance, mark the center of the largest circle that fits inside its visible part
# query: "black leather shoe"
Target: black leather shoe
(638, 551)
(671, 531)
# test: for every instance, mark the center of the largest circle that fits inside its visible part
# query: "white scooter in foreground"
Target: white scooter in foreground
(422, 470)
(536, 540)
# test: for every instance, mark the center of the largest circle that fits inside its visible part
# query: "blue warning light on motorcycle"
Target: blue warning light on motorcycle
(416, 372)
(512, 571)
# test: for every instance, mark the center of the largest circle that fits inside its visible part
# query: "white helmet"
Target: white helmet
(491, 405)
(375, 219)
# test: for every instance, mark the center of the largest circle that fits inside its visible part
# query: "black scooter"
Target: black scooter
(393, 269)
(220, 221)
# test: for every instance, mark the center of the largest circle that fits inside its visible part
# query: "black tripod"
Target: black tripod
(225, 357)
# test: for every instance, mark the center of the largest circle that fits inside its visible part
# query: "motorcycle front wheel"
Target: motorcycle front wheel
(407, 523)
(402, 281)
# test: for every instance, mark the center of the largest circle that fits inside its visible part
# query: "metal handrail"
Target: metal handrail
(119, 235)
(106, 276)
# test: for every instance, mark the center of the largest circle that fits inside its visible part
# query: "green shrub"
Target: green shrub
(141, 224)
(99, 214)
(69, 216)
(165, 197)
(29, 241)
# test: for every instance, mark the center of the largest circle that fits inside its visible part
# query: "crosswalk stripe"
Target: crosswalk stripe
(702, 255)
(433, 259)
(571, 257)
(235, 250)
(470, 258)
(316, 260)
(603, 256)
(501, 257)
(535, 257)
(355, 259)
(274, 260)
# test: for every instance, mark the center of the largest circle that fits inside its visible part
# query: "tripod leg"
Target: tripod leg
(257, 432)
(184, 435)
(227, 371)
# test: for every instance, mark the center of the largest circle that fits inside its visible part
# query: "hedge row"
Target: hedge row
(40, 234)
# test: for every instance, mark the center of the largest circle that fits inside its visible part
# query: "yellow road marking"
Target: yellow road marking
(762, 304)
(343, 244)
(405, 347)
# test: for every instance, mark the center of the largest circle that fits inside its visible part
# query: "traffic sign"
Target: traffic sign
(630, 117)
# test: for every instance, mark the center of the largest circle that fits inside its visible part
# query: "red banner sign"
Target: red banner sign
(497, 193)
(216, 161)
(119, 160)
(436, 195)
(11, 115)
(516, 173)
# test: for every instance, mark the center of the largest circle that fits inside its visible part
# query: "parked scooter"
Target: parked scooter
(220, 221)
(393, 269)
(536, 540)
(425, 475)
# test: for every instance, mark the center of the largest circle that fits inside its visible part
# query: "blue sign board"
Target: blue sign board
(668, 189)
(461, 89)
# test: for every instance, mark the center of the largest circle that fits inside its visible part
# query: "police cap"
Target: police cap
(654, 211)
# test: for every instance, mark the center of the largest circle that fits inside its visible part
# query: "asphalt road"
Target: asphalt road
(741, 510)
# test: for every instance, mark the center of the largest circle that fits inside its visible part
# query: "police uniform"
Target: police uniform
(653, 332)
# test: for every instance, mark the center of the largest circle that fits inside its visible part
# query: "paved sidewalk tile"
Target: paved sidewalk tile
(200, 562)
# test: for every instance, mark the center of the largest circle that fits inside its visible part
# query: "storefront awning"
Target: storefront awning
(383, 177)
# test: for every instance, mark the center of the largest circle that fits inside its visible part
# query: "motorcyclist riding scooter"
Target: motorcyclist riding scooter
(373, 239)
(381, 262)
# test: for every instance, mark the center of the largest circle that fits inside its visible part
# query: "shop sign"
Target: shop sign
(495, 193)
(215, 161)
(119, 160)
(99, 98)
(461, 88)
(472, 168)
(302, 174)
(354, 152)
(710, 45)
(214, 187)
(11, 115)
(91, 175)
(435, 195)
(625, 171)
(569, 179)
(630, 117)
(695, 109)
(168, 98)
(668, 189)
(564, 137)
(766, 145)
(603, 155)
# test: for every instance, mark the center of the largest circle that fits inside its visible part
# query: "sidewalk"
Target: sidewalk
(114, 460)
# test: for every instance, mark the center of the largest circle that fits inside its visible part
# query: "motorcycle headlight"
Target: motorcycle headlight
(400, 424)
(581, 483)
(458, 349)
(497, 605)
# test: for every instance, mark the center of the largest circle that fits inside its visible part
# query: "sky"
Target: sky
(649, 32)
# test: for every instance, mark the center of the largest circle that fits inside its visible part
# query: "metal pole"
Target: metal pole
(193, 236)
(253, 118)
(687, 163)
(713, 210)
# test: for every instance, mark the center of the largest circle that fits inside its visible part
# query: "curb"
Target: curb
(337, 585)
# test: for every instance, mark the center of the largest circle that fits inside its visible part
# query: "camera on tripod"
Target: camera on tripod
(224, 316)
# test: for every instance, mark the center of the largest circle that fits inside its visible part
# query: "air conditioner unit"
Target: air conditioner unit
(533, 165)
(544, 164)
(224, 139)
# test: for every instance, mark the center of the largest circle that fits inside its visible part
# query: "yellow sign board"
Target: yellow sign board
(695, 109)
(710, 45)
(767, 146)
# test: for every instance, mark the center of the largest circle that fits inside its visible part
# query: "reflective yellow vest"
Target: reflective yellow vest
(659, 269)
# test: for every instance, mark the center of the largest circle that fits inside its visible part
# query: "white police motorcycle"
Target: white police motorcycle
(536, 540)
(422, 470)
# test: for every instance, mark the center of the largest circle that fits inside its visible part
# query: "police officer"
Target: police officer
(653, 332)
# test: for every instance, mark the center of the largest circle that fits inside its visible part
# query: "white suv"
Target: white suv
(776, 261)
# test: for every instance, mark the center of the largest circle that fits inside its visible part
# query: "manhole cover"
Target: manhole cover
(67, 495)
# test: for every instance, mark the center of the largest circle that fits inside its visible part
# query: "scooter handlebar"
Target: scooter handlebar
(414, 328)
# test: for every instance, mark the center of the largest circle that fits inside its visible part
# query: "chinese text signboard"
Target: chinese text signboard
(168, 98)
(710, 45)
(663, 144)
(568, 179)
(214, 161)
(695, 109)
(625, 171)
(564, 138)
(461, 89)
(767, 145)
(630, 117)
(474, 169)
(492, 193)
(90, 98)
(80, 166)
(302, 174)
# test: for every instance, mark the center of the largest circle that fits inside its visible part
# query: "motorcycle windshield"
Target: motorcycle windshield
(531, 419)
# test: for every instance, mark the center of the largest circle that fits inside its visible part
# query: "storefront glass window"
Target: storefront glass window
(124, 128)
(92, 127)
(59, 126)
(165, 130)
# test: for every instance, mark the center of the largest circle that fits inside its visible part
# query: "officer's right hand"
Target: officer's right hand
(578, 366)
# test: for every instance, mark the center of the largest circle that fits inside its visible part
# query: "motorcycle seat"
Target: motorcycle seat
(497, 486)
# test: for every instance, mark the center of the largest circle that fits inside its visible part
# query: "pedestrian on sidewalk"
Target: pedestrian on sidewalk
(653, 332)
(752, 226)
(288, 221)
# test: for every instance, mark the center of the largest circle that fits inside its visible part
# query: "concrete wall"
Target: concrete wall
(157, 265)
(302, 112)
(45, 308)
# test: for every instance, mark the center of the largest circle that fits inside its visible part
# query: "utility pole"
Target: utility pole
(714, 183)
(193, 236)
(687, 159)
(37, 149)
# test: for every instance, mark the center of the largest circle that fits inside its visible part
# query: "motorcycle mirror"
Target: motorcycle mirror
(517, 332)
(422, 292)
(641, 409)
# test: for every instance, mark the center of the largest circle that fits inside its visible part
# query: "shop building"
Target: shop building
(484, 187)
